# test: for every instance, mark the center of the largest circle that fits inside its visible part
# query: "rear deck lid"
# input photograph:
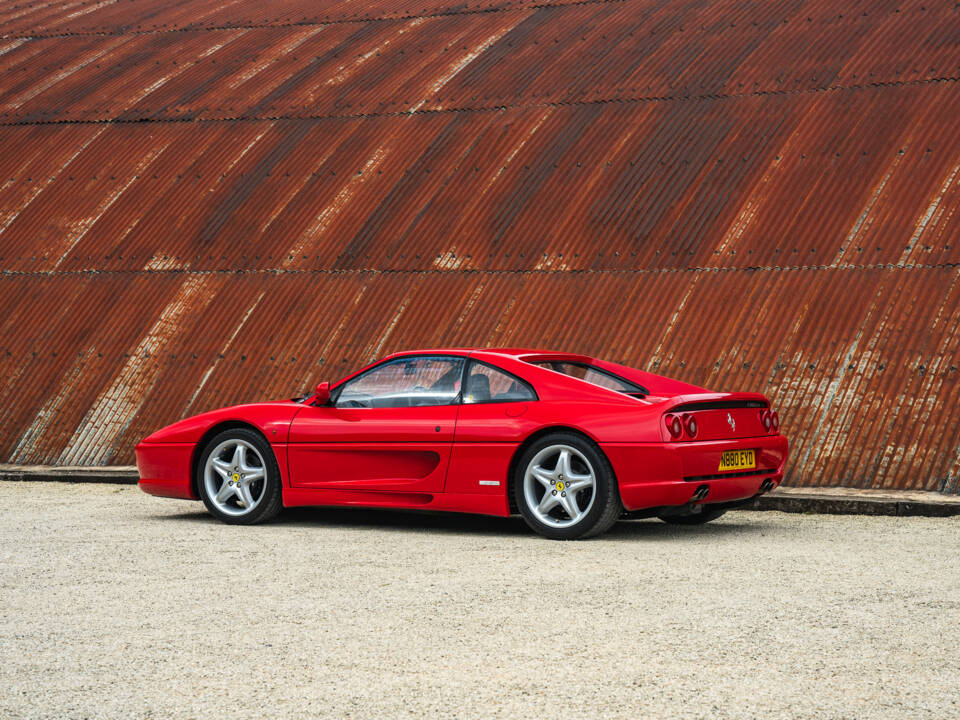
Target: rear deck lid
(719, 416)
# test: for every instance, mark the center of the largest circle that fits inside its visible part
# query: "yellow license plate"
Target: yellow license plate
(737, 460)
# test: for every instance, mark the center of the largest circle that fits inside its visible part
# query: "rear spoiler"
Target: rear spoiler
(716, 401)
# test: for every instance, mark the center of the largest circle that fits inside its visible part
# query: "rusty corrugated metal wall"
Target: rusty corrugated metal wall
(203, 203)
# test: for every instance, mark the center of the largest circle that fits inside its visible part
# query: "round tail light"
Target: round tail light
(690, 423)
(765, 419)
(775, 420)
(674, 426)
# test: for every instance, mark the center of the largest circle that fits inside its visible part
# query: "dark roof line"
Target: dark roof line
(120, 31)
(461, 271)
(881, 84)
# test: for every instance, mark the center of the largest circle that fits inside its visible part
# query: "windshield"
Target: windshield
(593, 374)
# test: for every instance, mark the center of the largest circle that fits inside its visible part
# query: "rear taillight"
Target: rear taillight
(674, 426)
(690, 423)
(766, 419)
(775, 420)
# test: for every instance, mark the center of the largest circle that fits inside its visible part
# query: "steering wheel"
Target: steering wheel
(357, 401)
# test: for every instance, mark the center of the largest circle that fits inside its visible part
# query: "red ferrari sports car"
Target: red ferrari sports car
(570, 442)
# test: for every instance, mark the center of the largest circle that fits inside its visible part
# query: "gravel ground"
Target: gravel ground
(117, 604)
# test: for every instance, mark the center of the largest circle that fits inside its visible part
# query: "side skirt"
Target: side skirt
(480, 504)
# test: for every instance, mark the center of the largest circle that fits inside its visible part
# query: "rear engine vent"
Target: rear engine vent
(718, 405)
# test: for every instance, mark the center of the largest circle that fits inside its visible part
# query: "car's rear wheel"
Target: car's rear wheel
(565, 488)
(239, 478)
(704, 516)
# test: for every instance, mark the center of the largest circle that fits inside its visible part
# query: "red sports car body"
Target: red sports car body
(480, 431)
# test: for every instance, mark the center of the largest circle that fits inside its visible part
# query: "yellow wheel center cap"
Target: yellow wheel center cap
(236, 477)
(559, 486)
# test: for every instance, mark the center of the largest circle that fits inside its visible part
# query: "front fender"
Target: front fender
(272, 419)
(165, 459)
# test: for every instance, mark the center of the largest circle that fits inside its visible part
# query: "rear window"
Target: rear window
(593, 374)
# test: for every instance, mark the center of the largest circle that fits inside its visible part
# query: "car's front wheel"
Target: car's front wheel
(239, 478)
(565, 488)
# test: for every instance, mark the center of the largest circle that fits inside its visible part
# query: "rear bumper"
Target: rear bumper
(165, 469)
(664, 474)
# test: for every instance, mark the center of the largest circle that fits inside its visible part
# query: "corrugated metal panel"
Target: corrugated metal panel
(187, 341)
(204, 203)
(158, 16)
(624, 51)
(595, 51)
(711, 183)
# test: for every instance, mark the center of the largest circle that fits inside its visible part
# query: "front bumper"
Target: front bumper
(665, 474)
(165, 469)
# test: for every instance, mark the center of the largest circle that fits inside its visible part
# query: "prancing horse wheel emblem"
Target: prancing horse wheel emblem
(733, 424)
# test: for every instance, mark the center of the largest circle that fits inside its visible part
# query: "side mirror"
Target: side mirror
(323, 393)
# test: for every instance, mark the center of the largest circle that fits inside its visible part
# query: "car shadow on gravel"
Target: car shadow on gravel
(445, 522)
(402, 520)
(378, 519)
(653, 529)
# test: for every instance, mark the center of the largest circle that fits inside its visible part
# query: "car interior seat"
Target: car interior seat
(447, 383)
(478, 388)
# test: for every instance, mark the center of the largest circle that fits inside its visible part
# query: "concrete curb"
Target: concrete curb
(849, 501)
(825, 501)
(126, 474)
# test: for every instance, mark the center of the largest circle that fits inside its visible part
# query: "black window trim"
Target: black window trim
(338, 390)
(466, 374)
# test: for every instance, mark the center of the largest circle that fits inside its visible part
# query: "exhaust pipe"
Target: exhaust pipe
(700, 493)
(766, 485)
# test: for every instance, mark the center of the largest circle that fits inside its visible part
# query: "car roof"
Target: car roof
(522, 361)
(509, 352)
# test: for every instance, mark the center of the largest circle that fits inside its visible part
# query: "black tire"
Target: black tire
(704, 516)
(270, 500)
(604, 508)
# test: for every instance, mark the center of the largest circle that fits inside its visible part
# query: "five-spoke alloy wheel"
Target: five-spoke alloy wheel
(239, 480)
(565, 488)
(559, 485)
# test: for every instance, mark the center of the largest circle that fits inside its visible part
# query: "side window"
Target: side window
(486, 383)
(405, 382)
(593, 375)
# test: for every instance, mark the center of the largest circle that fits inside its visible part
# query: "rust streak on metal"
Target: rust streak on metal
(125, 395)
(745, 196)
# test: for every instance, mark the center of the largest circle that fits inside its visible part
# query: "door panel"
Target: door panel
(486, 439)
(492, 421)
(389, 449)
